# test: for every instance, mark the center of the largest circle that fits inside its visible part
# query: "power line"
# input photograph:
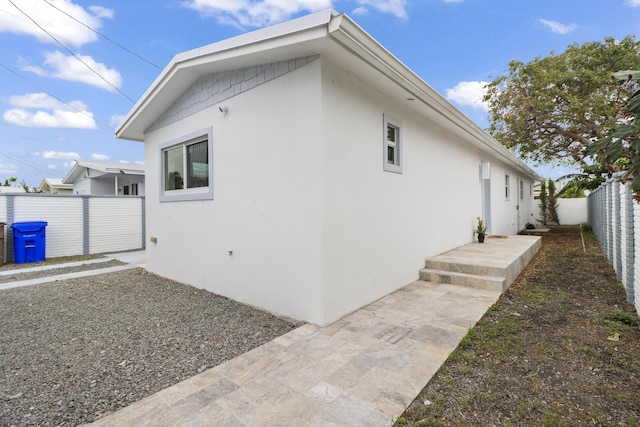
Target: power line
(103, 36)
(16, 159)
(72, 54)
(84, 113)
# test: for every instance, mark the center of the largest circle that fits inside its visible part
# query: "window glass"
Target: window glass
(173, 169)
(506, 187)
(197, 165)
(392, 145)
(187, 168)
(521, 190)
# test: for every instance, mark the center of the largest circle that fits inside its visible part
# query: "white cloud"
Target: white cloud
(394, 7)
(67, 155)
(41, 110)
(54, 21)
(69, 68)
(101, 12)
(633, 3)
(557, 27)
(259, 13)
(116, 120)
(254, 13)
(469, 94)
(99, 157)
(8, 169)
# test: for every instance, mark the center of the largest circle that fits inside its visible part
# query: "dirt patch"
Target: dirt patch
(560, 347)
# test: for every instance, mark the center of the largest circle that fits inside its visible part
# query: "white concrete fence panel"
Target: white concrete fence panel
(615, 220)
(77, 224)
(570, 211)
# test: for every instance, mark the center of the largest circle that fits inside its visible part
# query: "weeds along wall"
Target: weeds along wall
(77, 224)
(615, 220)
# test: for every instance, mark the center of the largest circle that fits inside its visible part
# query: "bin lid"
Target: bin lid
(27, 226)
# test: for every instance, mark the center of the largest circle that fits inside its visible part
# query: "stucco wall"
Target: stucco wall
(267, 206)
(379, 226)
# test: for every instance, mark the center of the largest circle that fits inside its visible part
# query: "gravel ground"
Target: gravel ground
(17, 275)
(73, 351)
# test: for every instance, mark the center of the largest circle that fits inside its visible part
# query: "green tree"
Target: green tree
(621, 147)
(550, 109)
(9, 181)
(543, 203)
(552, 203)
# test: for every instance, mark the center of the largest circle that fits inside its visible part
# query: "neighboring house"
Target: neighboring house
(104, 178)
(55, 186)
(303, 169)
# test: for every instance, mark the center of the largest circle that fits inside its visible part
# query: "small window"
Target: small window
(125, 190)
(187, 169)
(392, 145)
(507, 188)
(521, 190)
(530, 190)
(134, 189)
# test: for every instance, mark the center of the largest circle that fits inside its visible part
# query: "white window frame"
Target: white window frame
(134, 189)
(187, 194)
(389, 146)
(507, 187)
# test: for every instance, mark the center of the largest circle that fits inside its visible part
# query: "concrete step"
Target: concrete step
(494, 283)
(459, 267)
(494, 264)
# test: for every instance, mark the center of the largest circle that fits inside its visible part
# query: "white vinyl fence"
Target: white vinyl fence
(570, 211)
(615, 220)
(77, 224)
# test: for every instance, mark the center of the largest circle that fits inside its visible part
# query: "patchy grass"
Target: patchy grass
(560, 348)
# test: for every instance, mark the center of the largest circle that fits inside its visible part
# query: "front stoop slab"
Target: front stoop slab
(493, 265)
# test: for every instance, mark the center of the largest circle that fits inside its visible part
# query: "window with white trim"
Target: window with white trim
(392, 145)
(507, 187)
(521, 190)
(187, 168)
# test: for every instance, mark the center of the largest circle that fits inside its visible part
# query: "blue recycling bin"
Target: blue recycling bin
(29, 241)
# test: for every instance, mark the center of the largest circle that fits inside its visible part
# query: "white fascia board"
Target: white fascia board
(244, 50)
(353, 38)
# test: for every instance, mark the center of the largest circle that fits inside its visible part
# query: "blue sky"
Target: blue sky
(71, 69)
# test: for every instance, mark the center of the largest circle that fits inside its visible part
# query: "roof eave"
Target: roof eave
(186, 67)
(352, 37)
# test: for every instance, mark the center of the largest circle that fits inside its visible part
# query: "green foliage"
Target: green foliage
(543, 203)
(9, 181)
(550, 109)
(481, 229)
(552, 203)
(621, 147)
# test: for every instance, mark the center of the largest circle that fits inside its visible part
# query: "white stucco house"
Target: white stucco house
(303, 169)
(106, 178)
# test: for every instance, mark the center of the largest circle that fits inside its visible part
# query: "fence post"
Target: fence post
(629, 250)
